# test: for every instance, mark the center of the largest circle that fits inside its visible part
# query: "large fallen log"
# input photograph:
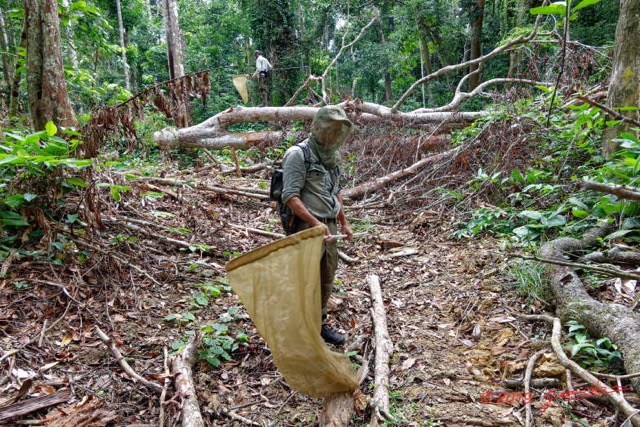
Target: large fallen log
(617, 322)
(213, 133)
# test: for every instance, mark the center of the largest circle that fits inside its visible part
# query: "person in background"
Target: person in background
(263, 74)
(311, 188)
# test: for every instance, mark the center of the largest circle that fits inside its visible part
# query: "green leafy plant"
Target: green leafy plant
(530, 282)
(217, 345)
(596, 354)
(208, 290)
(180, 319)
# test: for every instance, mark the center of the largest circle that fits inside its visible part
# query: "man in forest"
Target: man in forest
(311, 188)
(263, 74)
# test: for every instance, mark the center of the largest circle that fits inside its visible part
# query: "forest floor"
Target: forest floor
(451, 308)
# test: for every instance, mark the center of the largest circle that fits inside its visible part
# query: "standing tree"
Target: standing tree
(123, 48)
(176, 60)
(274, 31)
(7, 64)
(46, 86)
(475, 9)
(624, 90)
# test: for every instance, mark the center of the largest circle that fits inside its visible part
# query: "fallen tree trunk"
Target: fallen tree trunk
(617, 322)
(213, 133)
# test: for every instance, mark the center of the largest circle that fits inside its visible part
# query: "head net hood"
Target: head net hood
(329, 130)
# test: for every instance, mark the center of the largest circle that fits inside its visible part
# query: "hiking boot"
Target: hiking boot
(330, 336)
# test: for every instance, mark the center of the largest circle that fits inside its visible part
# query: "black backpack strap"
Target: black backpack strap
(306, 152)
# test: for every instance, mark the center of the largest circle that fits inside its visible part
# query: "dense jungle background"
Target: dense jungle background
(491, 183)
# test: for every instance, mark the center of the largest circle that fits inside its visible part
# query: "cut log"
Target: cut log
(337, 410)
(181, 368)
(383, 352)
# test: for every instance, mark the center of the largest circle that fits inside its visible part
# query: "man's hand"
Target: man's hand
(345, 229)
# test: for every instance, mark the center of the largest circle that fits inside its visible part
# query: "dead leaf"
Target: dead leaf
(502, 319)
(66, 339)
(360, 401)
(408, 363)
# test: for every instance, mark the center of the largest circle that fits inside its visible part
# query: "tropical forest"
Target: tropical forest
(487, 229)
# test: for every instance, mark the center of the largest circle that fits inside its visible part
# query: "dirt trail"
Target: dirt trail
(437, 292)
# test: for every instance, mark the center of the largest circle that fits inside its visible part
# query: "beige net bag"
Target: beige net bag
(279, 285)
(240, 82)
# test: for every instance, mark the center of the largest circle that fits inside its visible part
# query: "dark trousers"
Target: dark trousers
(328, 264)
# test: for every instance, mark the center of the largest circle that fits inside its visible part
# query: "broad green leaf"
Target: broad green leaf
(14, 201)
(115, 193)
(51, 128)
(579, 213)
(618, 234)
(531, 214)
(517, 176)
(12, 219)
(7, 159)
(557, 8)
(554, 221)
(583, 4)
(77, 182)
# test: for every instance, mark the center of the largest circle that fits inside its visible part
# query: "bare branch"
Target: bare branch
(464, 65)
(344, 47)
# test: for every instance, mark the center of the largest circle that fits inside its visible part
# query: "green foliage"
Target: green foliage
(208, 290)
(34, 168)
(594, 354)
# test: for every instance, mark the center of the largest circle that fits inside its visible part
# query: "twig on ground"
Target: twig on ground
(119, 259)
(609, 271)
(163, 395)
(618, 401)
(62, 288)
(237, 417)
(123, 363)
(152, 233)
(616, 377)
(527, 384)
(257, 231)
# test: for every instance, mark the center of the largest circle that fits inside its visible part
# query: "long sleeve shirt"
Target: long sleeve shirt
(262, 64)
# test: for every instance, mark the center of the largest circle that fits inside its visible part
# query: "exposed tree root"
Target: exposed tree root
(615, 398)
(615, 321)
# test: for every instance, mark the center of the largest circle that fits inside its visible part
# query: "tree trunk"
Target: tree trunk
(617, 322)
(425, 58)
(388, 96)
(14, 95)
(175, 59)
(7, 64)
(123, 51)
(73, 55)
(624, 90)
(477, 16)
(47, 89)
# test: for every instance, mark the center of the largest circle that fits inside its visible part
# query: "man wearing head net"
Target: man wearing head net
(311, 188)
